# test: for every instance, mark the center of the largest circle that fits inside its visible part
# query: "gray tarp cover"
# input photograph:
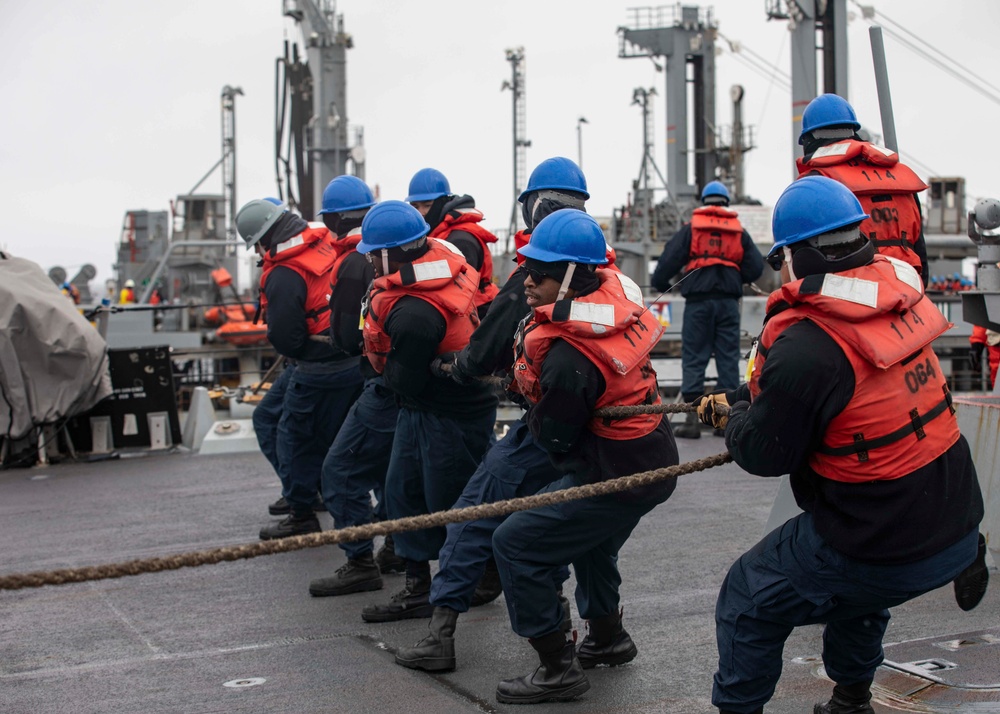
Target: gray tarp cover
(53, 363)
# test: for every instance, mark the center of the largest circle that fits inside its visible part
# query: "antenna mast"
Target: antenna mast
(229, 158)
(520, 128)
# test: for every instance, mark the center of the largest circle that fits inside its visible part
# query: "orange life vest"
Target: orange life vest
(311, 254)
(900, 415)
(716, 238)
(613, 329)
(468, 219)
(884, 187)
(345, 247)
(440, 277)
(521, 239)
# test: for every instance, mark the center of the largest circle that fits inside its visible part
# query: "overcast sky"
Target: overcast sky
(114, 105)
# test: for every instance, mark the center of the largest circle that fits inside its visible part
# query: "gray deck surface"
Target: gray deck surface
(168, 642)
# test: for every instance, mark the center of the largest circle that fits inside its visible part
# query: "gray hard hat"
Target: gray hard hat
(255, 218)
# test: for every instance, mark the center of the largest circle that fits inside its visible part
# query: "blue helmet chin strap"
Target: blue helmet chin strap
(564, 287)
(788, 261)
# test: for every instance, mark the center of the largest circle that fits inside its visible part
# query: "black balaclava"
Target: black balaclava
(831, 252)
(539, 204)
(816, 139)
(436, 213)
(287, 226)
(340, 224)
(398, 255)
(443, 205)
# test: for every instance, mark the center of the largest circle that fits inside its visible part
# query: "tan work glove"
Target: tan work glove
(713, 410)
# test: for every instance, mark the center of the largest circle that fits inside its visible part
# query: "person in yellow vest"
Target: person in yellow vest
(127, 294)
(847, 396)
(717, 256)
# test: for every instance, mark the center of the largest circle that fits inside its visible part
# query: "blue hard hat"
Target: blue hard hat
(389, 224)
(714, 188)
(810, 207)
(567, 235)
(428, 184)
(346, 193)
(828, 110)
(556, 173)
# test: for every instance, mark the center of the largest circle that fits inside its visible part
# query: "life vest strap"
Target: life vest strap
(315, 314)
(900, 242)
(862, 446)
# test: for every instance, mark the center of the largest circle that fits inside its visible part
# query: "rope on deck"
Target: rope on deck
(354, 533)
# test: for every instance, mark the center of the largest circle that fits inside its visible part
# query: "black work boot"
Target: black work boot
(690, 429)
(489, 587)
(559, 677)
(436, 652)
(291, 525)
(387, 560)
(412, 602)
(849, 699)
(606, 642)
(279, 507)
(970, 585)
(356, 576)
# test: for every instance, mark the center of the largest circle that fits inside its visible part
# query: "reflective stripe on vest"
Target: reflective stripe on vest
(900, 390)
(613, 329)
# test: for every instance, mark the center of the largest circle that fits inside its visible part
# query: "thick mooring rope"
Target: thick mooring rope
(354, 533)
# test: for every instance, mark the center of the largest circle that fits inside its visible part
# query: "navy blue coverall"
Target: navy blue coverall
(265, 423)
(357, 462)
(320, 391)
(442, 431)
(516, 466)
(858, 549)
(358, 459)
(530, 547)
(711, 311)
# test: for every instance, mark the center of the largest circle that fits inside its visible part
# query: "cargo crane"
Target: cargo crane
(809, 20)
(311, 108)
(681, 41)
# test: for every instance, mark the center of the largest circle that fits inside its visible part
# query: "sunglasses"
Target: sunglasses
(537, 276)
(776, 260)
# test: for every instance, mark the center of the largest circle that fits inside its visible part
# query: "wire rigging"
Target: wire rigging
(757, 63)
(767, 95)
(962, 74)
(927, 170)
(928, 46)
